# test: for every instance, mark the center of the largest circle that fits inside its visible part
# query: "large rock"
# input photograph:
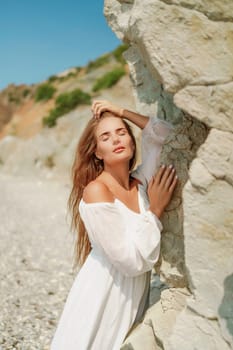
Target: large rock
(211, 104)
(181, 64)
(181, 46)
(213, 9)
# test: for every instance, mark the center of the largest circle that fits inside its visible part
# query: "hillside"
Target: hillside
(22, 107)
(40, 124)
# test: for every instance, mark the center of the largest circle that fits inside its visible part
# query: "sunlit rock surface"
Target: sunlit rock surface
(181, 64)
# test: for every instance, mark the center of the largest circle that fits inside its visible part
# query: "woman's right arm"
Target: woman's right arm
(161, 186)
(100, 106)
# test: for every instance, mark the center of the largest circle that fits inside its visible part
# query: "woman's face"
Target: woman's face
(114, 144)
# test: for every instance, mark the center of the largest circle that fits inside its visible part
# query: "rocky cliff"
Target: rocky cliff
(181, 64)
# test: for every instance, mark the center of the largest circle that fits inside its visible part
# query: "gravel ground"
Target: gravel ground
(36, 250)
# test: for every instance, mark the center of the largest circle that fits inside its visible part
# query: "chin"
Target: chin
(120, 159)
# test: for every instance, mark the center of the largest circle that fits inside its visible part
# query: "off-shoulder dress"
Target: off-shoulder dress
(111, 290)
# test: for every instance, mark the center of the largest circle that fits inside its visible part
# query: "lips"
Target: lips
(119, 149)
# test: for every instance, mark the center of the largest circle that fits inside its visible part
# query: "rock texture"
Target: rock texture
(181, 64)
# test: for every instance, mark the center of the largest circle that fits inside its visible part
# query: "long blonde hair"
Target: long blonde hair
(86, 168)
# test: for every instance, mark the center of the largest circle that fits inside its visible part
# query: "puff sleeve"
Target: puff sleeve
(133, 246)
(153, 137)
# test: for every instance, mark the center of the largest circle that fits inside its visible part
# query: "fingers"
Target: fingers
(167, 175)
(173, 184)
(170, 177)
(98, 107)
(159, 174)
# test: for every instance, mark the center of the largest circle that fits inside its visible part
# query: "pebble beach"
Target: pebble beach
(36, 259)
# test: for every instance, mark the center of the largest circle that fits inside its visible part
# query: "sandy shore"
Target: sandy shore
(36, 260)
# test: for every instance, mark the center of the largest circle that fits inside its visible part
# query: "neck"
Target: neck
(120, 173)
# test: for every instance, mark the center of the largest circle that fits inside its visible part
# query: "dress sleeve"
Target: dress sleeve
(153, 137)
(132, 248)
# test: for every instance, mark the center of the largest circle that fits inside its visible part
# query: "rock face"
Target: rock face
(181, 64)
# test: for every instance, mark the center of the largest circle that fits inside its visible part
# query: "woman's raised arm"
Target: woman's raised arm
(100, 106)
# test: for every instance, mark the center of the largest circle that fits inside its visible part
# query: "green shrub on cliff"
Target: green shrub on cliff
(117, 53)
(109, 79)
(44, 92)
(100, 61)
(65, 103)
(26, 92)
(52, 78)
(70, 100)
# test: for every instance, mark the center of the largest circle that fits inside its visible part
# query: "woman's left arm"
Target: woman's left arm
(100, 106)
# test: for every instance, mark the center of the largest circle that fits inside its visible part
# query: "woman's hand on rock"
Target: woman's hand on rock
(100, 106)
(161, 188)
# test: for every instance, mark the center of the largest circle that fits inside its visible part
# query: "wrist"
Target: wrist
(158, 212)
(121, 113)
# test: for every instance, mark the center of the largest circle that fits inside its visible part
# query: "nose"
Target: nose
(115, 139)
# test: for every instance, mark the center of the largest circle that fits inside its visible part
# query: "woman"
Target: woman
(116, 211)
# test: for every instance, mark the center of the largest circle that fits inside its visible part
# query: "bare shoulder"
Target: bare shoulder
(96, 191)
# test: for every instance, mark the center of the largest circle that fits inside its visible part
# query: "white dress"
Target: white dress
(110, 292)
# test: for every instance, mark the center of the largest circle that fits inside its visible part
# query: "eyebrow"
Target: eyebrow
(108, 132)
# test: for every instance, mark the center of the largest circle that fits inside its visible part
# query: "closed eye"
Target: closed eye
(104, 138)
(122, 131)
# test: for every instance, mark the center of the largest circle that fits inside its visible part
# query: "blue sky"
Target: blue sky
(45, 37)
